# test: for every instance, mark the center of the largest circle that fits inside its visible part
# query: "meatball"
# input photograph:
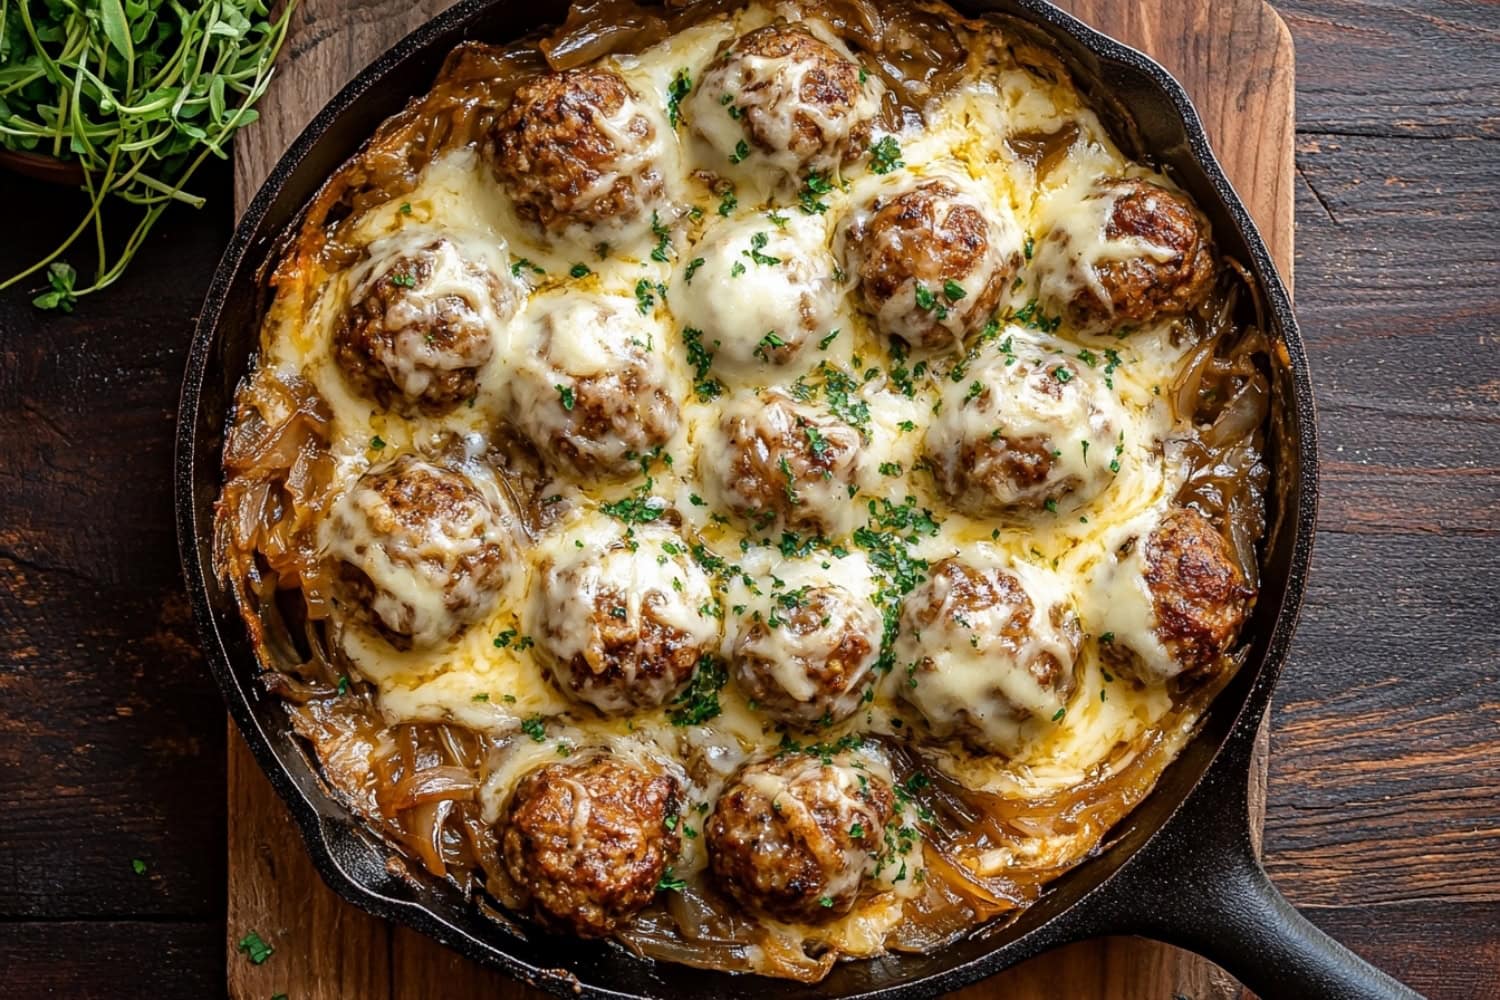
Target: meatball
(1195, 599)
(621, 622)
(419, 550)
(796, 836)
(1154, 258)
(932, 262)
(591, 389)
(986, 646)
(758, 291)
(576, 147)
(780, 463)
(783, 96)
(420, 329)
(587, 842)
(1024, 429)
(805, 654)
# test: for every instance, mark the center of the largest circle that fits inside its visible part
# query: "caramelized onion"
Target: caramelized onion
(418, 784)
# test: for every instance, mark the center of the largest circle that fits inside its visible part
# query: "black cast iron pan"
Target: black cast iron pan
(1180, 869)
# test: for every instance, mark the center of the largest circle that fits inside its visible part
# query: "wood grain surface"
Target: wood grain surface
(1382, 818)
(1236, 61)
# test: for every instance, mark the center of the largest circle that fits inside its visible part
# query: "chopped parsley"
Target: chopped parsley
(758, 244)
(701, 358)
(928, 302)
(663, 249)
(814, 187)
(580, 271)
(885, 155)
(953, 291)
(669, 882)
(741, 151)
(1031, 316)
(890, 468)
(680, 87)
(522, 264)
(692, 269)
(403, 280)
(768, 343)
(377, 443)
(505, 638)
(1062, 374)
(1057, 716)
(638, 509)
(645, 299)
(728, 202)
(832, 336)
(343, 685)
(566, 395)
(825, 901)
(406, 208)
(536, 728)
(481, 697)
(257, 949)
(700, 702)
(138, 866)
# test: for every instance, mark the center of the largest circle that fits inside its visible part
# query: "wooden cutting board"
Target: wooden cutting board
(1235, 59)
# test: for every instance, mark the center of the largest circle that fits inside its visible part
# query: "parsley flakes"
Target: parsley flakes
(885, 156)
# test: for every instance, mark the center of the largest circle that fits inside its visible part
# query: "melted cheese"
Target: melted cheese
(765, 93)
(760, 287)
(595, 305)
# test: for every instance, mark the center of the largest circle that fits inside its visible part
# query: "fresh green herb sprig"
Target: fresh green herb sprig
(137, 93)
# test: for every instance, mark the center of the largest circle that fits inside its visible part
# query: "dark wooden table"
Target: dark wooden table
(1384, 806)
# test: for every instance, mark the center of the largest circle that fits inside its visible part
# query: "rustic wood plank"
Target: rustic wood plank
(1394, 67)
(1234, 59)
(111, 744)
(111, 959)
(1386, 88)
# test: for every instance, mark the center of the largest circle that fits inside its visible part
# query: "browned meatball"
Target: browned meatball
(1023, 430)
(798, 101)
(1197, 591)
(575, 147)
(622, 623)
(807, 658)
(931, 265)
(420, 550)
(987, 646)
(797, 835)
(411, 346)
(586, 840)
(1171, 274)
(777, 462)
(589, 390)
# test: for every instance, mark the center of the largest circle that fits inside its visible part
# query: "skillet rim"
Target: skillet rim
(250, 249)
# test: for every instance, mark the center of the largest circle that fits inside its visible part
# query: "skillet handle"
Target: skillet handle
(1199, 885)
(1238, 919)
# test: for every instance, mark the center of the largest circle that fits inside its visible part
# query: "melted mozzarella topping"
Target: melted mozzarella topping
(422, 585)
(760, 288)
(963, 672)
(489, 679)
(596, 581)
(901, 315)
(1029, 391)
(792, 656)
(766, 94)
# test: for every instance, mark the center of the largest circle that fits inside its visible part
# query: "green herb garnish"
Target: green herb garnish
(138, 94)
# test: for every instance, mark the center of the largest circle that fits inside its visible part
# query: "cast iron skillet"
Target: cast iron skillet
(1181, 868)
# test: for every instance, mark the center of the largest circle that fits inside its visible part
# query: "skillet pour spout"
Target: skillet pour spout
(1182, 869)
